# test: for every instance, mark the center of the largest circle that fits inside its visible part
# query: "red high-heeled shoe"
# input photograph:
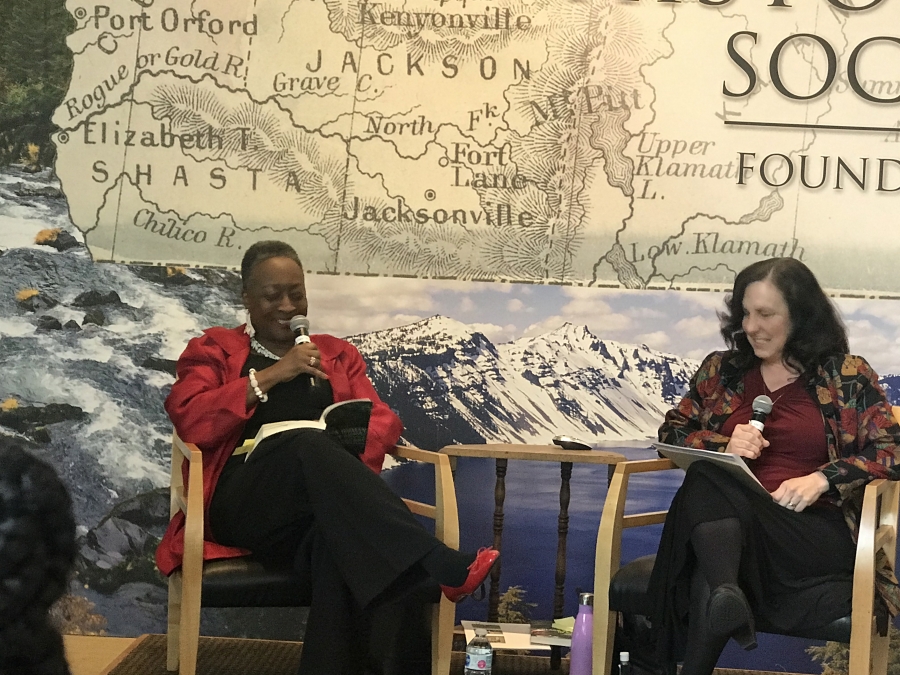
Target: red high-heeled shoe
(478, 571)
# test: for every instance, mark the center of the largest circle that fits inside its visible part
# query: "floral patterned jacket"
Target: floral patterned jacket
(860, 430)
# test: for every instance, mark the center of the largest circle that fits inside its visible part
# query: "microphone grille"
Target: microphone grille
(762, 404)
(299, 322)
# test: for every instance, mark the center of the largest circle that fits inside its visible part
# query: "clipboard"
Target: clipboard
(733, 464)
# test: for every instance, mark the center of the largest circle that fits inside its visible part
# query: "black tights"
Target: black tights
(717, 546)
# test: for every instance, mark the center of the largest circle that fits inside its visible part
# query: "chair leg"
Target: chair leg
(189, 633)
(880, 653)
(442, 622)
(603, 645)
(174, 622)
(865, 643)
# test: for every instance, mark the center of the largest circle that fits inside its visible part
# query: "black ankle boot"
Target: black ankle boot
(729, 615)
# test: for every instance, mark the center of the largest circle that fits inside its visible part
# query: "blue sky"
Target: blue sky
(678, 322)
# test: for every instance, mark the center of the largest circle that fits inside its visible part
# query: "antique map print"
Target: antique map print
(630, 143)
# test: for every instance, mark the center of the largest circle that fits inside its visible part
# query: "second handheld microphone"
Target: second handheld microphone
(762, 406)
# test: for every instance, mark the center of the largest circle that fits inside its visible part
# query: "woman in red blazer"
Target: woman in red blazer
(301, 496)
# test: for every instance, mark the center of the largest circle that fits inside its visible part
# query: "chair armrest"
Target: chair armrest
(191, 502)
(445, 513)
(877, 524)
(412, 452)
(877, 532)
(608, 553)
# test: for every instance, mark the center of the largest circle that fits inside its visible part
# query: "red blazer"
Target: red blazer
(208, 406)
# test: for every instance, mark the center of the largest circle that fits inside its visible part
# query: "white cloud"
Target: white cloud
(644, 313)
(656, 340)
(544, 326)
(359, 294)
(704, 300)
(514, 305)
(697, 327)
(885, 310)
(587, 307)
(346, 305)
(496, 334)
(466, 304)
(403, 319)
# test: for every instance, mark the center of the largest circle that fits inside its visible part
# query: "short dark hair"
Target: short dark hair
(817, 331)
(262, 251)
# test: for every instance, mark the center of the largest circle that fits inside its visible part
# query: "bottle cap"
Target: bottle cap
(624, 657)
(586, 599)
(481, 632)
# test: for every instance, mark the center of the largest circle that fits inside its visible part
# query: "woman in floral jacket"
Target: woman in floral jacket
(729, 553)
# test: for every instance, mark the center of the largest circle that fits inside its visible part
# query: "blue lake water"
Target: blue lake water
(530, 537)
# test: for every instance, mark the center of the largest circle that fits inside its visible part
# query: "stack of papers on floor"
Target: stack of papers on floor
(558, 633)
(537, 636)
(503, 635)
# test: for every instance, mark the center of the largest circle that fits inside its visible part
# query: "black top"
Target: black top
(293, 400)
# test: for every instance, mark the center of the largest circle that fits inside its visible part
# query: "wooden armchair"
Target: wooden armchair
(627, 584)
(244, 582)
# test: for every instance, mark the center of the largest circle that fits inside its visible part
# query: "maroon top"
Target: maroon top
(794, 429)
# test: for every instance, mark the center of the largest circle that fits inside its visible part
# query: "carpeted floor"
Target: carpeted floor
(227, 656)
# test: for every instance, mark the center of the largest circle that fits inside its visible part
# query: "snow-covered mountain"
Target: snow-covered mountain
(451, 384)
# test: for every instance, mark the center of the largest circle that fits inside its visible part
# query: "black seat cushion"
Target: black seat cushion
(251, 582)
(628, 594)
(628, 588)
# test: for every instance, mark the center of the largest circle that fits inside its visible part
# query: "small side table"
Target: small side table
(501, 454)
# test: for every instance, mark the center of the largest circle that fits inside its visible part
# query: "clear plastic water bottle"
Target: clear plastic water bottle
(581, 656)
(624, 663)
(479, 654)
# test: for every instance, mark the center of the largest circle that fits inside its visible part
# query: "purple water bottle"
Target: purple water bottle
(580, 659)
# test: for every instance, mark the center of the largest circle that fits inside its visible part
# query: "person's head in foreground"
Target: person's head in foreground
(37, 548)
(777, 313)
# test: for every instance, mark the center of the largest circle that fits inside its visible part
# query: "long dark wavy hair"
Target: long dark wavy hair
(37, 548)
(817, 331)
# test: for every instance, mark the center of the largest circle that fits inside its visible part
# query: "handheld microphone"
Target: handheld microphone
(762, 406)
(300, 326)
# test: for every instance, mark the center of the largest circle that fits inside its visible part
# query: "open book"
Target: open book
(733, 464)
(346, 421)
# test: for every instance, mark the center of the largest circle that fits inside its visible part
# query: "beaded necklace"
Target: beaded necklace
(262, 351)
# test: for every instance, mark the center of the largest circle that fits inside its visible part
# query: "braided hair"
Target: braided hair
(37, 549)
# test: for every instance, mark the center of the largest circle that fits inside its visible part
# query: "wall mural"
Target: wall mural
(87, 348)
(632, 143)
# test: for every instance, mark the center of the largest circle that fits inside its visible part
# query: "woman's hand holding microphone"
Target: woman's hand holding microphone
(303, 357)
(746, 441)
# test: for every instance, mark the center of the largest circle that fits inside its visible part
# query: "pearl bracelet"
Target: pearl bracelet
(256, 390)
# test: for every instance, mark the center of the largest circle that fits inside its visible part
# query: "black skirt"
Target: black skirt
(796, 568)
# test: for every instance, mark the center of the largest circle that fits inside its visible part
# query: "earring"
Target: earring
(248, 327)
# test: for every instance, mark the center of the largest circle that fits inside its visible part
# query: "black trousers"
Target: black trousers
(795, 568)
(302, 498)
